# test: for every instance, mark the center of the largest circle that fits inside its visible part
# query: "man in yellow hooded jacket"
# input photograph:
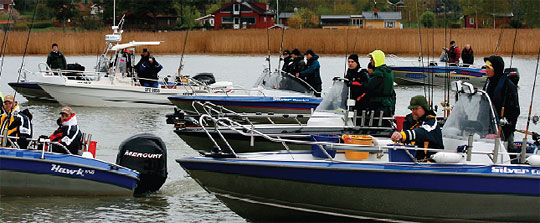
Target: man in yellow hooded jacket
(380, 87)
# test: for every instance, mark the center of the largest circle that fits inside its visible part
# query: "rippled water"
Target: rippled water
(180, 199)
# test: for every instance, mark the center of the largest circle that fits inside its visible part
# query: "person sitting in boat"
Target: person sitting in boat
(379, 87)
(420, 128)
(467, 55)
(357, 77)
(312, 74)
(56, 59)
(453, 53)
(287, 61)
(503, 93)
(10, 121)
(68, 133)
(145, 55)
(149, 73)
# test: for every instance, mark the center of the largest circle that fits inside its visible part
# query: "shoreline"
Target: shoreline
(403, 42)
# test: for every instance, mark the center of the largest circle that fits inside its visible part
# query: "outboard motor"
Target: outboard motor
(207, 78)
(512, 74)
(147, 154)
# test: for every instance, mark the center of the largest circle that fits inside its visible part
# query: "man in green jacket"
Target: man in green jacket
(56, 59)
(380, 86)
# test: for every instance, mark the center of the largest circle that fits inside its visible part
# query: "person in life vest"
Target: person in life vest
(68, 133)
(420, 128)
(10, 120)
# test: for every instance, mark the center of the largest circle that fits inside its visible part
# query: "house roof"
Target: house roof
(259, 8)
(340, 16)
(205, 17)
(502, 14)
(382, 15)
(285, 15)
(278, 26)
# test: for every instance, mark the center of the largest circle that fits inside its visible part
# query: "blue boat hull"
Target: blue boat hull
(296, 105)
(438, 75)
(295, 190)
(23, 172)
(31, 91)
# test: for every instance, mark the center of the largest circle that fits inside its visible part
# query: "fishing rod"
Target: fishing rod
(499, 42)
(281, 48)
(420, 55)
(524, 145)
(182, 57)
(268, 45)
(446, 103)
(513, 47)
(346, 50)
(25, 50)
(5, 39)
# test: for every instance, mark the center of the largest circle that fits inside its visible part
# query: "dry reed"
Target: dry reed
(404, 41)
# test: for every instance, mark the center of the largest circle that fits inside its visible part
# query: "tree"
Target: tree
(427, 19)
(65, 10)
(42, 12)
(189, 13)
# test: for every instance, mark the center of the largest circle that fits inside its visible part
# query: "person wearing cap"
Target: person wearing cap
(420, 128)
(453, 53)
(503, 93)
(298, 63)
(68, 132)
(357, 77)
(149, 73)
(380, 86)
(9, 121)
(312, 74)
(145, 55)
(287, 61)
(56, 59)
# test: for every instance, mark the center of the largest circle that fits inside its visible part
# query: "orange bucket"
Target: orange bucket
(359, 140)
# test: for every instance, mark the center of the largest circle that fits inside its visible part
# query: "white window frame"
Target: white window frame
(471, 21)
(389, 23)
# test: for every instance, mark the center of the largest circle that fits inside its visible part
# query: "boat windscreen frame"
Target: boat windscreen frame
(335, 100)
(280, 80)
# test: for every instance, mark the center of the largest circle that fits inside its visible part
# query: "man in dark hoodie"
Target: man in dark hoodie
(503, 94)
(145, 55)
(312, 73)
(56, 59)
(298, 63)
(420, 128)
(357, 77)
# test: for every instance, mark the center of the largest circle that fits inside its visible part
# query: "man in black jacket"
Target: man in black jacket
(287, 61)
(467, 55)
(503, 94)
(420, 128)
(56, 59)
(298, 63)
(357, 77)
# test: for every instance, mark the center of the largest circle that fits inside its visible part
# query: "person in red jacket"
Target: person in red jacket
(68, 133)
(453, 54)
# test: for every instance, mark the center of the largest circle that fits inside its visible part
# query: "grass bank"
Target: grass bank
(363, 41)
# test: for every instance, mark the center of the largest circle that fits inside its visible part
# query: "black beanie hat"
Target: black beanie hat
(310, 52)
(354, 57)
(370, 66)
(296, 52)
(287, 52)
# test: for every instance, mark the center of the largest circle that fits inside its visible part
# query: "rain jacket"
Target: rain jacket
(68, 134)
(357, 78)
(453, 54)
(312, 74)
(503, 92)
(9, 125)
(56, 60)
(297, 65)
(380, 87)
(425, 129)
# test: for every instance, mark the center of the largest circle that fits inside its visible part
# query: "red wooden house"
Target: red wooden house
(493, 20)
(241, 14)
(4, 5)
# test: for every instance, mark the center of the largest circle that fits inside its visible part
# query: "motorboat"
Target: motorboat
(274, 92)
(114, 82)
(471, 180)
(416, 73)
(38, 171)
(331, 117)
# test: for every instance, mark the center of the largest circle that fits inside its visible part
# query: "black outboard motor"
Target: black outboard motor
(147, 154)
(513, 75)
(207, 78)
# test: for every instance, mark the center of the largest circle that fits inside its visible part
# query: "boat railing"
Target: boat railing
(45, 70)
(41, 143)
(394, 59)
(375, 148)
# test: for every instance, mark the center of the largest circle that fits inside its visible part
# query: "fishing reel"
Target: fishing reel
(503, 121)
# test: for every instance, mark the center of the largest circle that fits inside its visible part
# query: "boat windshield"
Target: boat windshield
(472, 115)
(335, 100)
(282, 81)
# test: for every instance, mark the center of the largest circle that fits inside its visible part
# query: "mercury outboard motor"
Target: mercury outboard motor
(512, 74)
(207, 78)
(147, 154)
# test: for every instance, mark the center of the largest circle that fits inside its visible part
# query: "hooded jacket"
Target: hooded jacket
(380, 86)
(68, 134)
(56, 60)
(312, 74)
(503, 93)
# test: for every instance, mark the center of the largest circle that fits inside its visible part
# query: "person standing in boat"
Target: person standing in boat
(145, 55)
(298, 63)
(68, 132)
(357, 77)
(287, 61)
(420, 128)
(453, 53)
(503, 93)
(467, 55)
(379, 87)
(149, 73)
(56, 59)
(312, 74)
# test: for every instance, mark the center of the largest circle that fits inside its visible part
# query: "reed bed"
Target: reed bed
(336, 42)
